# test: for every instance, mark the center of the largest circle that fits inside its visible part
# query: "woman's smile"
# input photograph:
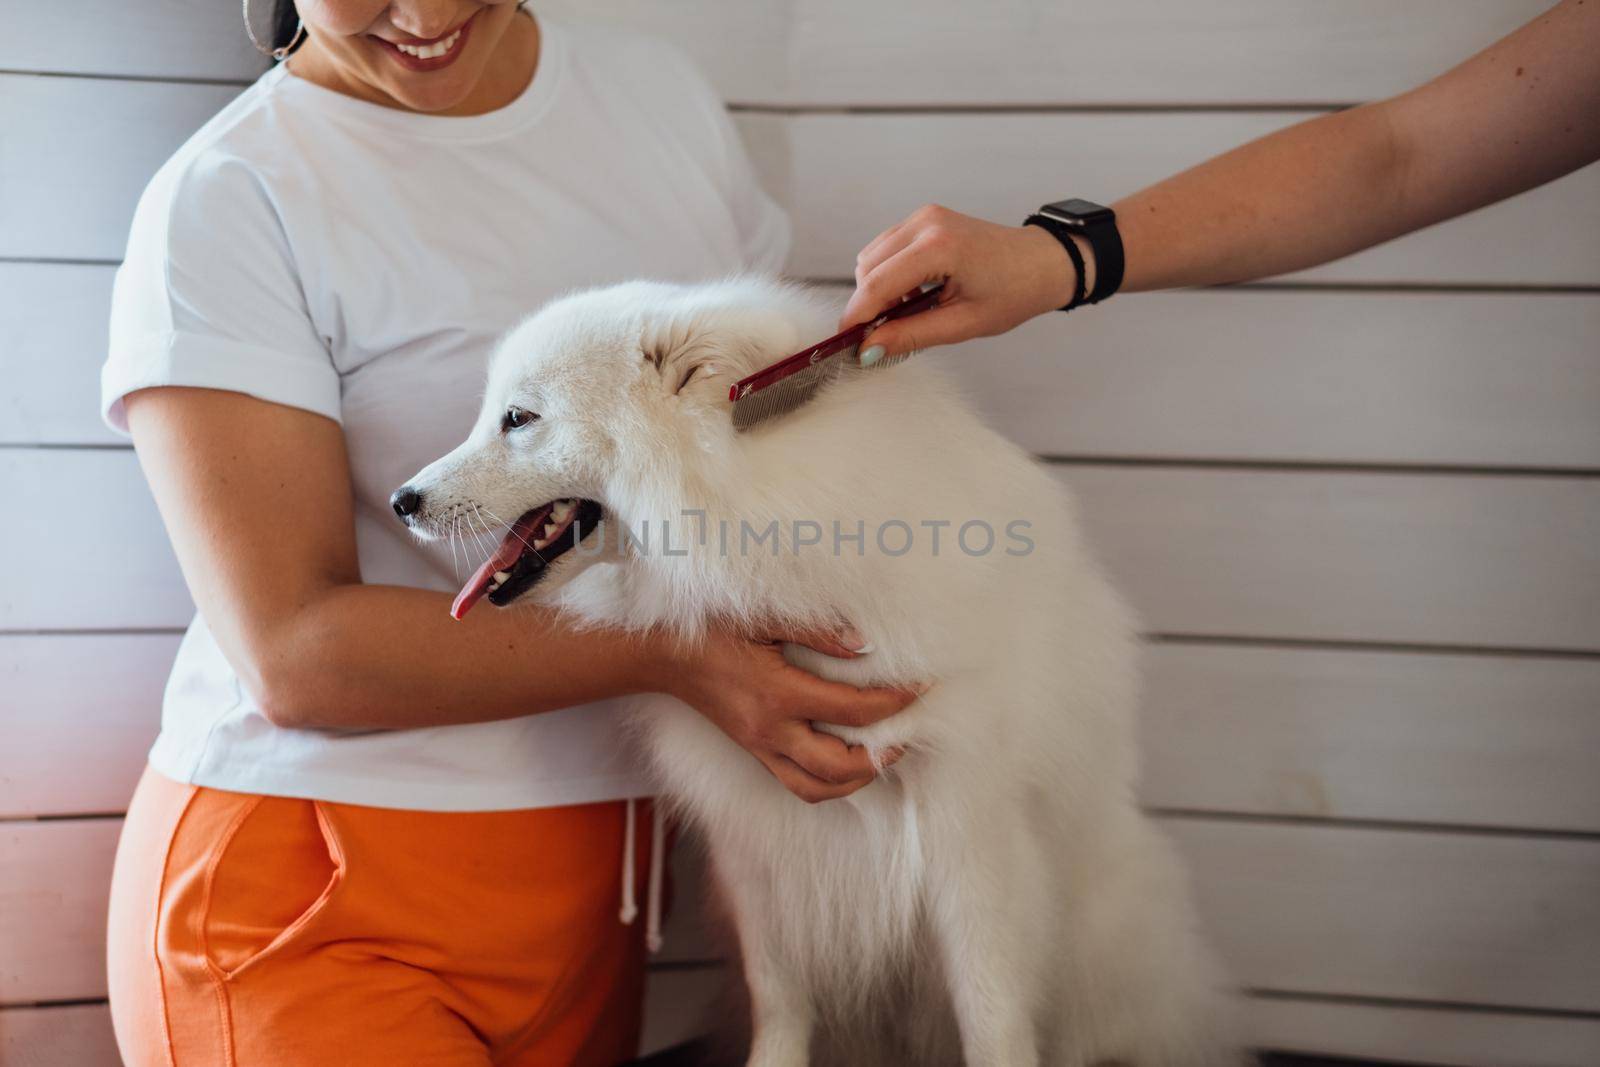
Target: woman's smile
(380, 50)
(427, 55)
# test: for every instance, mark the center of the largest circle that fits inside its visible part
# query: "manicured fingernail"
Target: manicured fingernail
(855, 642)
(872, 355)
(891, 756)
(920, 688)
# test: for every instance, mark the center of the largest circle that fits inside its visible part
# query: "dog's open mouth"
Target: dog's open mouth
(532, 543)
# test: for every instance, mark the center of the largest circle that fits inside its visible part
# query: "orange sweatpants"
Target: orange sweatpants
(253, 931)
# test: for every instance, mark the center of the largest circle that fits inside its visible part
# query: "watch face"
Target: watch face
(1076, 212)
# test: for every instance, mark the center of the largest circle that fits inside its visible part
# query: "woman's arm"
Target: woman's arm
(257, 500)
(1522, 112)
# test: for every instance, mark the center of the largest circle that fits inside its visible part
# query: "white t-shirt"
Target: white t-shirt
(316, 250)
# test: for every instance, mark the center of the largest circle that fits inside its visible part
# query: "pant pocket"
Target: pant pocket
(274, 872)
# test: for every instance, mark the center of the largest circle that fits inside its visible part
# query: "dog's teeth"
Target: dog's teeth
(550, 529)
(500, 576)
(562, 510)
(543, 542)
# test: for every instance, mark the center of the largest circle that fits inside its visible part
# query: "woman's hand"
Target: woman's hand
(767, 705)
(996, 278)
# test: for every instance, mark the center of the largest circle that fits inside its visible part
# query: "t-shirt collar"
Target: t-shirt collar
(528, 105)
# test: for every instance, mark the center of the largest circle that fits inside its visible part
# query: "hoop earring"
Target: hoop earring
(276, 53)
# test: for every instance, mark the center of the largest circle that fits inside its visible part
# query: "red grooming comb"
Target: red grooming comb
(791, 381)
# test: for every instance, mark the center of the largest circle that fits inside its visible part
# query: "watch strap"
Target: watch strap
(1062, 234)
(1108, 258)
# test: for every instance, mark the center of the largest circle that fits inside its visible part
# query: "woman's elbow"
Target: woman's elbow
(281, 698)
(296, 692)
(299, 672)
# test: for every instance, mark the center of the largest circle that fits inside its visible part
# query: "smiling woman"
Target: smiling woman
(477, 59)
(311, 288)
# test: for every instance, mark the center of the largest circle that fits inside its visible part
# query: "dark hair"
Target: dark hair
(284, 21)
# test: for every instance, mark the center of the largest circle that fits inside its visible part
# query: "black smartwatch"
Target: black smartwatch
(1095, 224)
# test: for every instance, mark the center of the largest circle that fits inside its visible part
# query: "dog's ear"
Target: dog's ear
(692, 371)
(696, 367)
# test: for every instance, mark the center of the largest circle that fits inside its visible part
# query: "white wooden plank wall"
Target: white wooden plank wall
(1358, 510)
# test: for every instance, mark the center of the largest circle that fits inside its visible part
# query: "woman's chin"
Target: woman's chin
(417, 93)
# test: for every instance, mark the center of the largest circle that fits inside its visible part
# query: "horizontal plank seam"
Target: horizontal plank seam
(654, 967)
(1090, 459)
(1320, 822)
(1331, 644)
(99, 631)
(1338, 822)
(168, 79)
(66, 446)
(61, 261)
(812, 108)
(1368, 1001)
(1375, 288)
(1407, 288)
(1315, 644)
(1378, 288)
(1319, 466)
(1039, 107)
(27, 1005)
(1353, 999)
(670, 966)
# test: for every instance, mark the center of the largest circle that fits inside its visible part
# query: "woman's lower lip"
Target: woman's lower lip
(436, 62)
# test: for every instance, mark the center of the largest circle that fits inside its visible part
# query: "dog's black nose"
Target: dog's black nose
(405, 501)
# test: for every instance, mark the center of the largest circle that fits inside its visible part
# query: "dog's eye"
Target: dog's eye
(515, 417)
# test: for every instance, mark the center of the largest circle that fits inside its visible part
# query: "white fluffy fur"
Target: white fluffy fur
(994, 898)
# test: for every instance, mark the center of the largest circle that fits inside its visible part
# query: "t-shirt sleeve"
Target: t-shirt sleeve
(208, 295)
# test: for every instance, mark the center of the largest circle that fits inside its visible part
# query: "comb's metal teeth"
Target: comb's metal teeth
(788, 394)
(759, 407)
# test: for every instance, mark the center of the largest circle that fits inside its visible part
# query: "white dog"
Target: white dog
(994, 898)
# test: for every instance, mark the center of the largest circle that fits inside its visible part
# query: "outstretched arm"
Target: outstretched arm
(1523, 112)
(1519, 114)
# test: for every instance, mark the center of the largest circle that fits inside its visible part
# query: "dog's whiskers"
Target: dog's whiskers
(455, 560)
(477, 538)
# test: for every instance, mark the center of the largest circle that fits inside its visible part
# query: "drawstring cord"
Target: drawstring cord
(629, 909)
(658, 841)
(658, 848)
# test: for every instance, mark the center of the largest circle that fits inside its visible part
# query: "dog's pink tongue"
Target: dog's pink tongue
(516, 539)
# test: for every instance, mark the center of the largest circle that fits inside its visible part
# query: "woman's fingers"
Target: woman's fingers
(891, 279)
(885, 246)
(945, 325)
(825, 756)
(805, 785)
(843, 704)
(996, 277)
(844, 643)
(768, 707)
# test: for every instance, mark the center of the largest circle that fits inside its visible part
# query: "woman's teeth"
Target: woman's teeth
(430, 51)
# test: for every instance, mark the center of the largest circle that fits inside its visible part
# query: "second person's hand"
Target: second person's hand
(996, 277)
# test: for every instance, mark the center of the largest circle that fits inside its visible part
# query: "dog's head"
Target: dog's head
(604, 405)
